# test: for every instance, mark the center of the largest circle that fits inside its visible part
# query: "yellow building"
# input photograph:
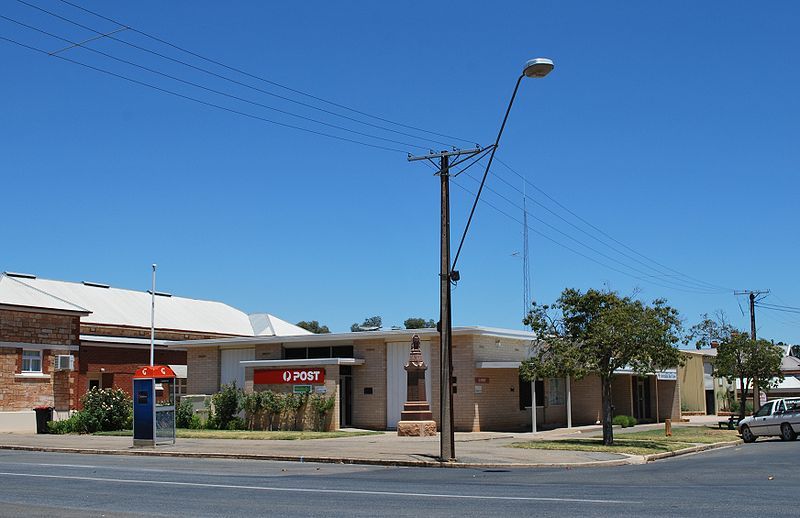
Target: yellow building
(701, 392)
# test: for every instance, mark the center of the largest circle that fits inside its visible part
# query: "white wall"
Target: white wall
(230, 368)
(18, 422)
(396, 381)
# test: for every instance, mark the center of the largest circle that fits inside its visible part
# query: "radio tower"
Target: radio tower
(526, 281)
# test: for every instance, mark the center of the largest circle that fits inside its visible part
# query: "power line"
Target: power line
(212, 90)
(694, 289)
(586, 222)
(577, 252)
(200, 101)
(268, 81)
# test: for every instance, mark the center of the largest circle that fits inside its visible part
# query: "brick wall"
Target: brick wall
(622, 395)
(369, 410)
(38, 328)
(116, 365)
(202, 370)
(586, 401)
(56, 389)
(142, 332)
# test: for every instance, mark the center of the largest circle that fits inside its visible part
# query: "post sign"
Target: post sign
(302, 389)
(288, 376)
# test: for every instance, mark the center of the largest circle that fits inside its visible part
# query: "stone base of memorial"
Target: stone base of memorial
(416, 428)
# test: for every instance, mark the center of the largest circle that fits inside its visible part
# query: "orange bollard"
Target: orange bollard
(668, 427)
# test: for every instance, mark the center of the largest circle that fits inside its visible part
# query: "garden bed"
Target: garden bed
(184, 433)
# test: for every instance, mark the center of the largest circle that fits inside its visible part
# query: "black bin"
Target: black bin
(43, 415)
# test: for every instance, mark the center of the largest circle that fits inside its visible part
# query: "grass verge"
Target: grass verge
(638, 443)
(183, 433)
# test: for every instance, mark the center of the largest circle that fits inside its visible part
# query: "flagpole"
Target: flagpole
(153, 318)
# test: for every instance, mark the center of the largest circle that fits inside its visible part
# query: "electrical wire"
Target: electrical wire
(577, 252)
(259, 78)
(608, 236)
(212, 90)
(694, 289)
(200, 101)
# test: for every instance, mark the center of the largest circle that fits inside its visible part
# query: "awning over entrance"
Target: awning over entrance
(497, 365)
(303, 362)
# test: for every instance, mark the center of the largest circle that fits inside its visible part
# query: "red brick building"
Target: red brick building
(103, 335)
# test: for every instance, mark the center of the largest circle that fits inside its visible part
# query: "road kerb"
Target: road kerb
(323, 460)
(692, 449)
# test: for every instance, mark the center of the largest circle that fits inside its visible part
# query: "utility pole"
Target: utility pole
(752, 295)
(447, 449)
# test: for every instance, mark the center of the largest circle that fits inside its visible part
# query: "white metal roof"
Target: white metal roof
(14, 292)
(121, 307)
(396, 334)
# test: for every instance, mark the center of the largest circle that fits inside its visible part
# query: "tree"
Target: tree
(710, 330)
(418, 323)
(369, 324)
(314, 327)
(598, 333)
(740, 357)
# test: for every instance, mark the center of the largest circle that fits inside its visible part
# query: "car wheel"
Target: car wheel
(787, 434)
(747, 434)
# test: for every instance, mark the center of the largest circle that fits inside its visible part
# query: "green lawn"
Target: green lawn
(638, 443)
(184, 433)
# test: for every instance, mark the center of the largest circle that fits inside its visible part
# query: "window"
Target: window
(31, 361)
(556, 392)
(180, 386)
(525, 393)
(764, 410)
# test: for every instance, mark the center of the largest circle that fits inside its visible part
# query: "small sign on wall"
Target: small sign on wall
(321, 389)
(479, 389)
(481, 380)
(302, 389)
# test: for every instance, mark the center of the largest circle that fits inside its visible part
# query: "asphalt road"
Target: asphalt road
(758, 479)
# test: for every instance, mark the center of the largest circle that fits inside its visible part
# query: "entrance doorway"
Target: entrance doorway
(641, 397)
(345, 396)
(711, 407)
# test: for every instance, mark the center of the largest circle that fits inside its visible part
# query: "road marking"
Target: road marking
(328, 491)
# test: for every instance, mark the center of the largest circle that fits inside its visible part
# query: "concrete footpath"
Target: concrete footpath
(478, 449)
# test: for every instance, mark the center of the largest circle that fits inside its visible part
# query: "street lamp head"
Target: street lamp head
(538, 67)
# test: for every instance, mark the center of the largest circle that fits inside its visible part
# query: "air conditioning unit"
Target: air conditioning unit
(65, 362)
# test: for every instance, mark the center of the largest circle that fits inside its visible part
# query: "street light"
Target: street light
(535, 68)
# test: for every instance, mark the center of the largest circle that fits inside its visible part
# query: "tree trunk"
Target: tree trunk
(744, 399)
(608, 431)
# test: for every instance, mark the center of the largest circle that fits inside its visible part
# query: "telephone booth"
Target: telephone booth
(153, 406)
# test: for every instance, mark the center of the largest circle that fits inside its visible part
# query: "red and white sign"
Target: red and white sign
(290, 376)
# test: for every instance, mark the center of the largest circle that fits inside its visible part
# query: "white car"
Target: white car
(779, 417)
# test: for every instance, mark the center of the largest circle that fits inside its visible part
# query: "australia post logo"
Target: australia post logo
(290, 376)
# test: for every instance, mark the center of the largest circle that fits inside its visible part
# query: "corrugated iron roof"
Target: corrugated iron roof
(122, 307)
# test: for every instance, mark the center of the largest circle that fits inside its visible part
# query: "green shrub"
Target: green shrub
(64, 426)
(251, 404)
(272, 403)
(292, 405)
(104, 410)
(237, 423)
(195, 422)
(624, 421)
(225, 404)
(321, 406)
(183, 414)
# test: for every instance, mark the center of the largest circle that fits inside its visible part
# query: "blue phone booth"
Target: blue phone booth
(153, 406)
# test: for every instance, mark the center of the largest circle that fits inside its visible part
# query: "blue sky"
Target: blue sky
(670, 126)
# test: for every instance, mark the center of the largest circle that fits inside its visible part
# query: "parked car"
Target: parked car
(779, 417)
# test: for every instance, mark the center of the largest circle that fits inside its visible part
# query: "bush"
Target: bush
(251, 404)
(104, 410)
(195, 422)
(272, 403)
(292, 405)
(225, 404)
(624, 421)
(321, 406)
(183, 414)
